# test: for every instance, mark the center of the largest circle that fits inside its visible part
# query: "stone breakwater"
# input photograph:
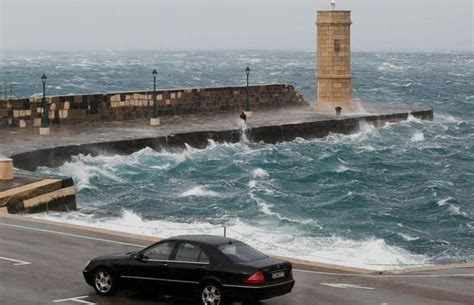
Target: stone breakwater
(192, 117)
(119, 106)
(29, 194)
(287, 124)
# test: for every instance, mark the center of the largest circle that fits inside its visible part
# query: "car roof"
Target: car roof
(212, 240)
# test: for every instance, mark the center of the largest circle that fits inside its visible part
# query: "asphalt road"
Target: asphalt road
(42, 263)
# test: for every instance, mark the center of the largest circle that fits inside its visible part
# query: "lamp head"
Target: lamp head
(44, 78)
(247, 70)
(154, 73)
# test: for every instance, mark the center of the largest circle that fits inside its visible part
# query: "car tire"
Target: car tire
(104, 282)
(210, 293)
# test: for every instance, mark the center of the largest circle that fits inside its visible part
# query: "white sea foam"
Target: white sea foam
(341, 169)
(299, 140)
(161, 167)
(368, 148)
(266, 208)
(83, 168)
(417, 137)
(411, 118)
(403, 85)
(75, 85)
(243, 130)
(262, 205)
(455, 210)
(199, 191)
(386, 66)
(445, 118)
(256, 60)
(368, 253)
(341, 160)
(408, 237)
(452, 208)
(443, 202)
(82, 172)
(365, 130)
(259, 173)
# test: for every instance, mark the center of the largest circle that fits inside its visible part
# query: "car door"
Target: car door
(188, 266)
(150, 269)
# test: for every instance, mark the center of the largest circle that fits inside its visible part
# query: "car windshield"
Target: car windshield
(240, 252)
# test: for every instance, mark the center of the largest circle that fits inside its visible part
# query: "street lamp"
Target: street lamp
(154, 121)
(44, 129)
(247, 104)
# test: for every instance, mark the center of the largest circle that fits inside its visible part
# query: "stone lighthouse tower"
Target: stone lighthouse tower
(334, 80)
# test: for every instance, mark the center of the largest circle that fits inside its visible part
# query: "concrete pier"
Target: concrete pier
(29, 151)
(28, 192)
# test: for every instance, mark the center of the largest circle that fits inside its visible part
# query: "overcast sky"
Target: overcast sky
(382, 25)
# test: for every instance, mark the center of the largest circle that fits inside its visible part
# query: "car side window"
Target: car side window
(161, 251)
(190, 253)
(203, 258)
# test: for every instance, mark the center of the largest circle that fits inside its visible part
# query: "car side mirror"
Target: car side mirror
(138, 256)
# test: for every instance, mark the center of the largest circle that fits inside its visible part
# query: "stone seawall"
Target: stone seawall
(56, 156)
(72, 109)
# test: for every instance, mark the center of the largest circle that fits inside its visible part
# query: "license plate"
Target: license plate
(278, 275)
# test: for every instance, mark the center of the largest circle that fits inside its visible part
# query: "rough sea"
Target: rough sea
(401, 195)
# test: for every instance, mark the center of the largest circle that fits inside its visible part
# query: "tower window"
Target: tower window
(337, 45)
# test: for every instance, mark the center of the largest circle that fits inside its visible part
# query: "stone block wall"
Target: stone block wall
(334, 81)
(73, 109)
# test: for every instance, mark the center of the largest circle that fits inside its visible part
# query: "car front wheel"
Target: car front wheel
(104, 282)
(211, 294)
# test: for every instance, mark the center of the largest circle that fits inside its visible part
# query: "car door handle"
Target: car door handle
(163, 265)
(201, 268)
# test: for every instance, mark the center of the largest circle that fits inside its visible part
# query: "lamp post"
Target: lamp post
(248, 113)
(44, 129)
(154, 121)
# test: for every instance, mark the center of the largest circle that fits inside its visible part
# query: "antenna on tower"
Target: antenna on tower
(333, 4)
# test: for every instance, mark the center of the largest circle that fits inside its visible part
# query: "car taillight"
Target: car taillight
(255, 278)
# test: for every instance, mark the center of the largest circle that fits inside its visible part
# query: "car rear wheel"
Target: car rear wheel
(211, 294)
(104, 282)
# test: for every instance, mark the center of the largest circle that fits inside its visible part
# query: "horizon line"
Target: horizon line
(460, 50)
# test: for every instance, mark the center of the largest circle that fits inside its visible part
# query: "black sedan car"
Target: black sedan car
(212, 268)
